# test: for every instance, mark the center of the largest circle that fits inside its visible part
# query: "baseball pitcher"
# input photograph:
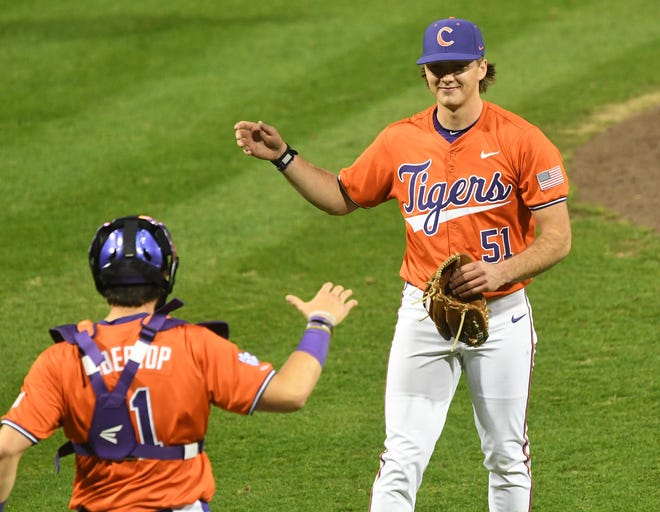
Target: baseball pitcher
(483, 194)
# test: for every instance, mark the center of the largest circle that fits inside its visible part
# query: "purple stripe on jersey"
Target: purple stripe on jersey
(261, 391)
(545, 205)
(27, 434)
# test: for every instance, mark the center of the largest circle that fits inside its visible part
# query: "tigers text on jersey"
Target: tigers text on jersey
(188, 367)
(475, 195)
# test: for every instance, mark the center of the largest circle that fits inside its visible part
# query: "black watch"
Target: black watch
(287, 157)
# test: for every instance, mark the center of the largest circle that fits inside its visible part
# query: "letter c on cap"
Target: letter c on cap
(441, 41)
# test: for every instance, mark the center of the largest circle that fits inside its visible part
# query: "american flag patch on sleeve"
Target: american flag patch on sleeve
(550, 178)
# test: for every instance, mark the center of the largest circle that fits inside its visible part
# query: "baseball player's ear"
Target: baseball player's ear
(483, 69)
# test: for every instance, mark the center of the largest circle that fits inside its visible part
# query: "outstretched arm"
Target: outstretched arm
(12, 446)
(319, 186)
(289, 389)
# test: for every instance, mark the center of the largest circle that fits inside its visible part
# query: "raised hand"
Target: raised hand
(259, 140)
(330, 299)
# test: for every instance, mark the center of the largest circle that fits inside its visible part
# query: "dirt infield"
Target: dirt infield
(619, 168)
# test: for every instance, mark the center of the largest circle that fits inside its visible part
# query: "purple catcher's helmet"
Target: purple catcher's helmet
(131, 251)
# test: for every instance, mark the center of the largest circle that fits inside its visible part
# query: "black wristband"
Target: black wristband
(320, 322)
(283, 161)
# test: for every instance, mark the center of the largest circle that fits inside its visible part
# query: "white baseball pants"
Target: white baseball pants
(422, 376)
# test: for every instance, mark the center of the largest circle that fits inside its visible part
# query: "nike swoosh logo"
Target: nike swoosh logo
(454, 133)
(486, 155)
(416, 222)
(515, 319)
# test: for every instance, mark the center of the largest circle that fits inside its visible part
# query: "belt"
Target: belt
(203, 504)
(83, 509)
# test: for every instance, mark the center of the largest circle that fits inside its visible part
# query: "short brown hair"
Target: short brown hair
(133, 296)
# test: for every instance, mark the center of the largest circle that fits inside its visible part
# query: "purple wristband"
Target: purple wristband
(2, 506)
(316, 343)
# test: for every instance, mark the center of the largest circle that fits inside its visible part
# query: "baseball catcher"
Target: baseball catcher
(464, 320)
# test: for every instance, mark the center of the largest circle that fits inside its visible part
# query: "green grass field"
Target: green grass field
(116, 108)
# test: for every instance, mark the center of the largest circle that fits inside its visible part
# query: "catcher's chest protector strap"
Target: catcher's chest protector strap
(111, 434)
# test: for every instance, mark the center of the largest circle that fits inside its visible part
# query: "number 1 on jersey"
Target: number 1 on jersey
(141, 404)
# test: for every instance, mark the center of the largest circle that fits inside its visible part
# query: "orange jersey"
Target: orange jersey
(186, 369)
(475, 195)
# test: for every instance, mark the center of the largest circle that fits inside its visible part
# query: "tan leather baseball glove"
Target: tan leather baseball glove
(465, 320)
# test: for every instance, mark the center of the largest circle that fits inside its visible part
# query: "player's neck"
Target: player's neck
(461, 116)
(122, 311)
